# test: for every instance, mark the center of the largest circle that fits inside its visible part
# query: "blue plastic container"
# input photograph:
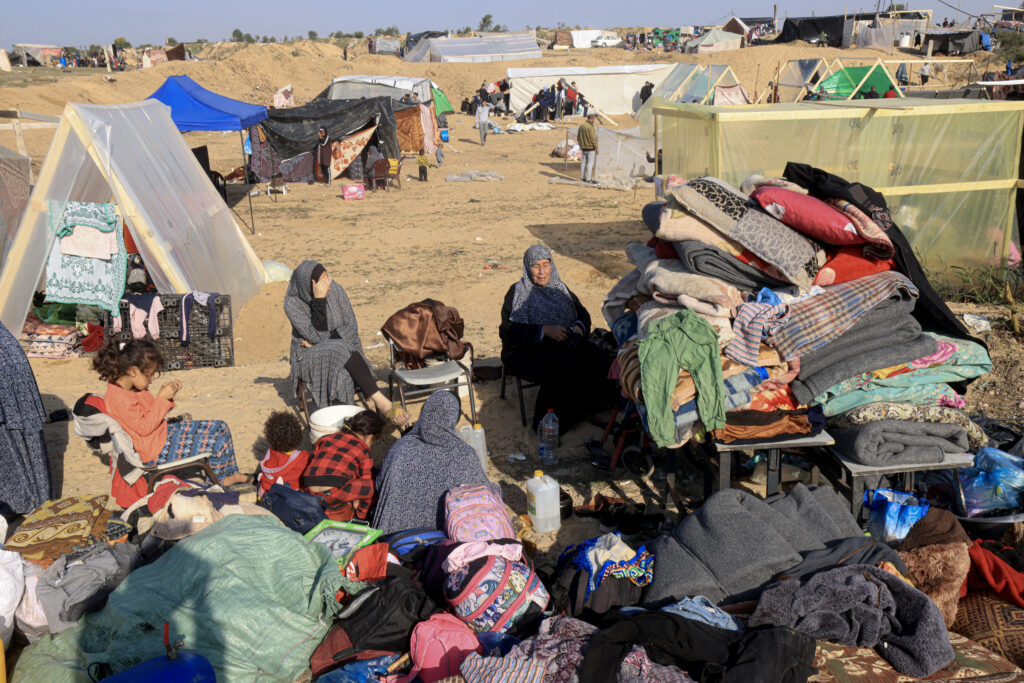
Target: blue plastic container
(444, 135)
(189, 667)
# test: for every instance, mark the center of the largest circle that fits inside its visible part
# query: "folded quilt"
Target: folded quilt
(705, 259)
(757, 426)
(817, 320)
(955, 360)
(806, 387)
(670, 276)
(921, 394)
(901, 442)
(874, 412)
(725, 208)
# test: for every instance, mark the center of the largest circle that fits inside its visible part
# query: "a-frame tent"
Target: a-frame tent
(134, 156)
(793, 79)
(847, 81)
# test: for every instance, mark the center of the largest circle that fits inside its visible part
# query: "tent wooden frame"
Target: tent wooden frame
(840, 63)
(972, 68)
(712, 119)
(16, 125)
(762, 98)
(711, 86)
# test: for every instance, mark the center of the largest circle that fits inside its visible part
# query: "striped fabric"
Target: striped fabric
(817, 320)
(477, 669)
(754, 320)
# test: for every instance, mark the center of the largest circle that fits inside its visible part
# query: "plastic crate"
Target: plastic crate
(201, 351)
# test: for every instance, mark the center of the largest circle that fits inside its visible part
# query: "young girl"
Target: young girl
(128, 371)
(283, 463)
(341, 471)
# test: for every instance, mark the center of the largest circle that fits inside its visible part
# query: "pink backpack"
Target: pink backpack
(476, 513)
(439, 645)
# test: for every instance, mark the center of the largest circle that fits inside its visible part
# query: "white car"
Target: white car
(606, 41)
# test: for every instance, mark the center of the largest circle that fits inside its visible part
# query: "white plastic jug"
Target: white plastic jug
(474, 436)
(542, 503)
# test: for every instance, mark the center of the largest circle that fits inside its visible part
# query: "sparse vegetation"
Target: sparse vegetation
(487, 25)
(171, 42)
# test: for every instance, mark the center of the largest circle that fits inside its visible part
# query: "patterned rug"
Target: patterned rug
(992, 622)
(57, 526)
(973, 662)
(343, 152)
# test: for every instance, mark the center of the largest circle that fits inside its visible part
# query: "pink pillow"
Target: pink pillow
(808, 215)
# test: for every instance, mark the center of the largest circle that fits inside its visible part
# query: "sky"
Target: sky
(78, 23)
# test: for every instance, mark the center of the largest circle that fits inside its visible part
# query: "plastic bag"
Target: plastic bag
(277, 271)
(12, 586)
(892, 513)
(1009, 468)
(29, 616)
(985, 492)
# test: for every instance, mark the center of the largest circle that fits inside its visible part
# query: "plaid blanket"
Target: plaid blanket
(817, 320)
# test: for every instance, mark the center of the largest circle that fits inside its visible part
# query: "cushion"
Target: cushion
(808, 215)
(849, 263)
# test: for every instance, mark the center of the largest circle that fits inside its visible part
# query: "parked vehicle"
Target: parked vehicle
(608, 40)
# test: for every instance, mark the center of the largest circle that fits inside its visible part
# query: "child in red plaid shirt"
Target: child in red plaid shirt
(283, 463)
(341, 470)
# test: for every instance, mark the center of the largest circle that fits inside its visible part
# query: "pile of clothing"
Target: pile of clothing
(766, 312)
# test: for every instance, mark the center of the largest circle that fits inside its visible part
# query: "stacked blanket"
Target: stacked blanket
(816, 300)
(889, 442)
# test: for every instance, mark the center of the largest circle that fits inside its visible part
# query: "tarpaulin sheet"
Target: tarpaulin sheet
(487, 48)
(14, 194)
(193, 107)
(841, 84)
(952, 42)
(410, 129)
(252, 596)
(293, 131)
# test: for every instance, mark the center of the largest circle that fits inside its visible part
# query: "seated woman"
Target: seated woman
(373, 155)
(128, 371)
(543, 332)
(341, 470)
(326, 354)
(422, 466)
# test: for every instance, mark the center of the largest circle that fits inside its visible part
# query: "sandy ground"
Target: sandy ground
(433, 239)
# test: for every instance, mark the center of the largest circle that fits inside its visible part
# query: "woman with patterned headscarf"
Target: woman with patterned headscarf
(543, 331)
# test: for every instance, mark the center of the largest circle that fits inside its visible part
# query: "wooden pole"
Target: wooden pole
(757, 76)
(252, 220)
(565, 159)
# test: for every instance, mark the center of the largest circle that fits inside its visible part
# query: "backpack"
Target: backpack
(476, 513)
(409, 544)
(495, 594)
(377, 621)
(439, 645)
(424, 328)
(300, 511)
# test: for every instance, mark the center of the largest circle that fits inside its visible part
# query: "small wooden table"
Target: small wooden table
(849, 478)
(723, 454)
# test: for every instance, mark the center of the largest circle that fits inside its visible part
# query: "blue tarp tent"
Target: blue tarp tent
(193, 107)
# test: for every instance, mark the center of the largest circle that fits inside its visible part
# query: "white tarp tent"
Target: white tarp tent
(15, 187)
(494, 47)
(133, 155)
(351, 85)
(624, 153)
(612, 89)
(583, 37)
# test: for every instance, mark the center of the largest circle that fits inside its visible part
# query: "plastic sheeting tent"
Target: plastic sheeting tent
(674, 85)
(701, 89)
(714, 40)
(490, 48)
(15, 171)
(848, 82)
(612, 89)
(386, 46)
(955, 201)
(795, 76)
(133, 155)
(882, 37)
(624, 154)
(354, 87)
(583, 37)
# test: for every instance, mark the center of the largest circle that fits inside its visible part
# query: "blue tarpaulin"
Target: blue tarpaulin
(193, 107)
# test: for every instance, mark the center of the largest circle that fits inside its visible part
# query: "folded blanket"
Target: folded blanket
(650, 311)
(922, 394)
(757, 426)
(890, 442)
(725, 208)
(873, 412)
(806, 387)
(709, 260)
(672, 277)
(817, 320)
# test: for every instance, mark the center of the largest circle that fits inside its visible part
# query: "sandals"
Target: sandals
(397, 416)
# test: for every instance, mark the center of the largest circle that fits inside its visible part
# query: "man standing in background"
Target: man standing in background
(586, 138)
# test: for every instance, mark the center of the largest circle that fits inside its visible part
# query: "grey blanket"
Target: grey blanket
(889, 442)
(705, 259)
(807, 386)
(734, 544)
(863, 606)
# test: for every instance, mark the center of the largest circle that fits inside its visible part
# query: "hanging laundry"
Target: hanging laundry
(208, 299)
(140, 307)
(81, 279)
(89, 242)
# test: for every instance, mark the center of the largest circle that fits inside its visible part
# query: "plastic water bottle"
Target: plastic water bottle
(542, 503)
(547, 439)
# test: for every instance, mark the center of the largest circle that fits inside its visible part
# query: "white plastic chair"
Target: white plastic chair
(447, 375)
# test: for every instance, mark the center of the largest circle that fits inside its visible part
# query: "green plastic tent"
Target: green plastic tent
(441, 103)
(843, 84)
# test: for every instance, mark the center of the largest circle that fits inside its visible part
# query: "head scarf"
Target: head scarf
(327, 137)
(299, 297)
(547, 305)
(422, 466)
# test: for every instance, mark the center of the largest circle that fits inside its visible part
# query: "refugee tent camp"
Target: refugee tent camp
(31, 54)
(849, 82)
(736, 25)
(957, 209)
(356, 86)
(386, 46)
(612, 89)
(714, 40)
(193, 107)
(134, 156)
(495, 47)
(413, 38)
(950, 41)
(795, 79)
(15, 187)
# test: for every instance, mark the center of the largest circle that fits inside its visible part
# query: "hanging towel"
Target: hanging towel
(89, 242)
(82, 280)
